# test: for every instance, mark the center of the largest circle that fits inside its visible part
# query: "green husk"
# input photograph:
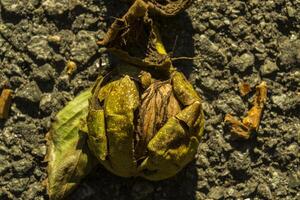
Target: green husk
(120, 98)
(130, 130)
(151, 132)
(170, 123)
(68, 156)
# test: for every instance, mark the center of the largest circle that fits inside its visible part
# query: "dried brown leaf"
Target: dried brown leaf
(251, 121)
(135, 39)
(244, 88)
(158, 105)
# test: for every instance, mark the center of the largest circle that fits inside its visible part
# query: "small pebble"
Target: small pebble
(268, 68)
(38, 46)
(44, 74)
(54, 39)
(22, 166)
(141, 190)
(289, 51)
(33, 190)
(39, 151)
(30, 93)
(46, 103)
(239, 162)
(294, 180)
(231, 103)
(18, 185)
(4, 164)
(216, 193)
(83, 47)
(286, 101)
(264, 191)
(243, 62)
(213, 54)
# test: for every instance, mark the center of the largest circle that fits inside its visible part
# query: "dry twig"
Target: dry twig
(5, 102)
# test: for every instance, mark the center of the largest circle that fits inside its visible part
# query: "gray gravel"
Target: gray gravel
(232, 41)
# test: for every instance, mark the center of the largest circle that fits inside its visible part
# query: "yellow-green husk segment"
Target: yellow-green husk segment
(114, 133)
(69, 159)
(145, 125)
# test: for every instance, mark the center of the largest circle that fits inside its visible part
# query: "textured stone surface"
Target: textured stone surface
(30, 93)
(229, 41)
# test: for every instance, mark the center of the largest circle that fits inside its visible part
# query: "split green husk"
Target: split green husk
(144, 119)
(152, 132)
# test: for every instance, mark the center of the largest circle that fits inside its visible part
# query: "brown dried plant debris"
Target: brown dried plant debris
(251, 122)
(5, 102)
(137, 10)
(71, 67)
(134, 39)
(244, 88)
(166, 7)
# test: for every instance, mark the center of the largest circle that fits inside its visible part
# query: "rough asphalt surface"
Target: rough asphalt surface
(231, 41)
